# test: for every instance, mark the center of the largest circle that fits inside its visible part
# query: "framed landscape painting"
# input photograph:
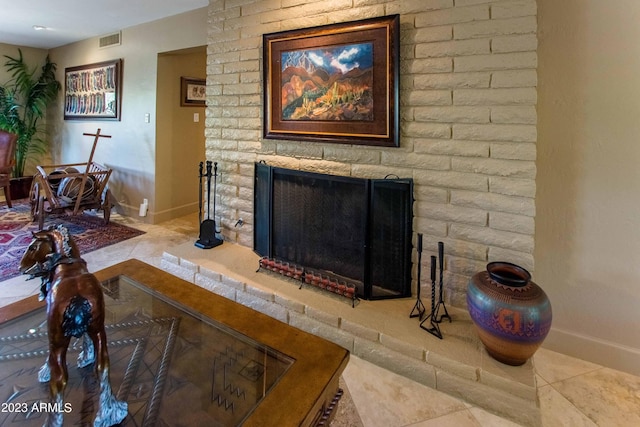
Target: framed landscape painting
(335, 83)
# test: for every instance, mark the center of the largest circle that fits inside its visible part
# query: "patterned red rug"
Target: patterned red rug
(89, 232)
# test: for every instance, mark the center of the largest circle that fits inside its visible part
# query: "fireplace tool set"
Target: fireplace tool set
(419, 309)
(208, 230)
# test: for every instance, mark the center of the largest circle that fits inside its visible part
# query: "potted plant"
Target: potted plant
(23, 102)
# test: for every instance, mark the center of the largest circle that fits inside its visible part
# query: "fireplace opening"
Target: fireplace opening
(348, 228)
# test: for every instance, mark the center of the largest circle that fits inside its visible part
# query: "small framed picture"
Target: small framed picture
(193, 92)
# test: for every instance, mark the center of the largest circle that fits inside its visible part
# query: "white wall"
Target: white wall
(131, 151)
(588, 200)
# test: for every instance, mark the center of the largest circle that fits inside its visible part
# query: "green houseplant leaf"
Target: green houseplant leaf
(23, 102)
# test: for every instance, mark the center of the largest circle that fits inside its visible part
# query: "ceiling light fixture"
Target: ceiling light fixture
(39, 27)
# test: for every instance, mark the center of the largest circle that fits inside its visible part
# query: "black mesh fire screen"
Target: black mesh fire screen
(354, 228)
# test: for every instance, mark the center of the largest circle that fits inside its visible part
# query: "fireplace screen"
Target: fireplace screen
(352, 228)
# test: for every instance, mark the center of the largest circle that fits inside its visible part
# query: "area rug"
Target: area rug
(89, 232)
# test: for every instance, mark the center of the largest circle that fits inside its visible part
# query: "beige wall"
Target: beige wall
(179, 139)
(131, 152)
(33, 57)
(588, 200)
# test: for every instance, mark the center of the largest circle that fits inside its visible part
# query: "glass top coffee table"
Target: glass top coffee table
(180, 356)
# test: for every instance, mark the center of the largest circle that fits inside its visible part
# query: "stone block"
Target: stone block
(234, 283)
(490, 237)
(449, 114)
(358, 330)
(414, 369)
(413, 160)
(451, 213)
(490, 97)
(402, 347)
(515, 388)
(289, 304)
(513, 187)
(266, 307)
(452, 366)
(495, 27)
(518, 43)
(453, 15)
(454, 48)
(189, 265)
(511, 9)
(510, 222)
(170, 258)
(494, 202)
(216, 287)
(514, 151)
(426, 65)
(451, 147)
(210, 274)
(428, 35)
(266, 295)
(417, 6)
(177, 270)
(514, 114)
(452, 80)
(514, 79)
(451, 180)
(496, 167)
(321, 329)
(428, 97)
(322, 316)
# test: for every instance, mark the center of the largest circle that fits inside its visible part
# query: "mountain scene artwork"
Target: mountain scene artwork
(331, 83)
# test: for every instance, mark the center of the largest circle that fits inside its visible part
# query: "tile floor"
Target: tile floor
(572, 392)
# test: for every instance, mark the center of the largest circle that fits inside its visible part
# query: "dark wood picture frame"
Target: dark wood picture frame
(336, 83)
(93, 91)
(193, 92)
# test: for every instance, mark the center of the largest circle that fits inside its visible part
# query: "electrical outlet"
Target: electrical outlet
(196, 117)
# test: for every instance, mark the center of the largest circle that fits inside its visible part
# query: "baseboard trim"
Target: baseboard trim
(158, 217)
(605, 353)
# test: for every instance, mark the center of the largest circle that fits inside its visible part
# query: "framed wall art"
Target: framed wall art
(93, 91)
(335, 83)
(193, 92)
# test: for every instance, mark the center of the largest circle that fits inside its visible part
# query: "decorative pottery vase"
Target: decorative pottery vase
(511, 313)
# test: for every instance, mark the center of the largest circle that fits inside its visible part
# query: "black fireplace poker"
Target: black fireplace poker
(419, 308)
(440, 296)
(434, 328)
(208, 231)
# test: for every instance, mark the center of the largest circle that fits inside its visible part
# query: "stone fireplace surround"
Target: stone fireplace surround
(380, 332)
(467, 129)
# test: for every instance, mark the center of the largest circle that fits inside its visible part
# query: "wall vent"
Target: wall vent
(114, 39)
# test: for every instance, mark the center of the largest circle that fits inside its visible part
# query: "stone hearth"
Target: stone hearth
(378, 331)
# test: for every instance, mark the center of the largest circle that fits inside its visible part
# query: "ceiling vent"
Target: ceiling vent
(114, 39)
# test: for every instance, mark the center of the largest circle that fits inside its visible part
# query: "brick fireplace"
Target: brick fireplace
(467, 133)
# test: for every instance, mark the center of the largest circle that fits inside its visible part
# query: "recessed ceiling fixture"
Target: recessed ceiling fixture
(39, 27)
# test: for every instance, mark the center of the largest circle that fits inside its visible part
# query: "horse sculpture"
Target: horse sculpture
(75, 308)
